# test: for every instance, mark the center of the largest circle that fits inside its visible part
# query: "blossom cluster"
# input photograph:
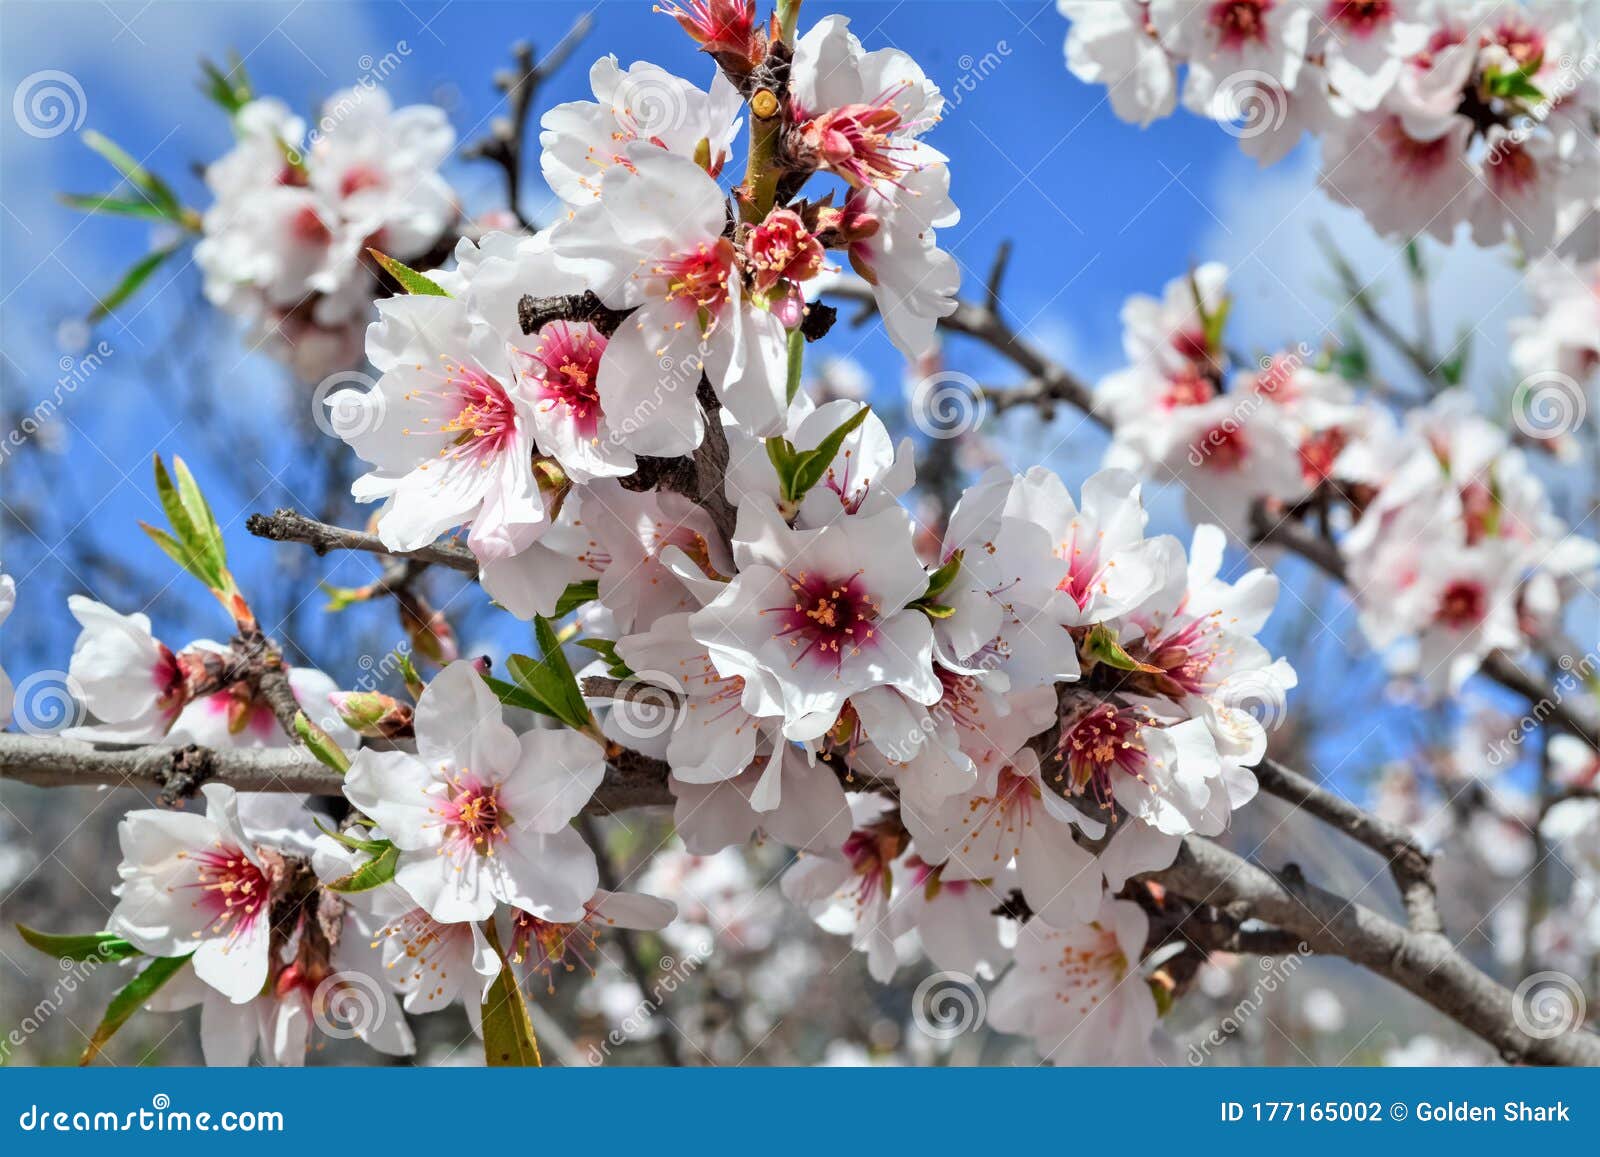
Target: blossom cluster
(973, 737)
(284, 243)
(1432, 113)
(1448, 534)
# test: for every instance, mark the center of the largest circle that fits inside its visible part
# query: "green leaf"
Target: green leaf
(208, 533)
(408, 673)
(129, 999)
(1103, 646)
(507, 1033)
(814, 463)
(516, 695)
(607, 650)
(375, 873)
(939, 581)
(1454, 368)
(550, 678)
(933, 610)
(118, 206)
(131, 281)
(89, 946)
(320, 743)
(797, 355)
(576, 595)
(232, 95)
(153, 187)
(410, 280)
(196, 540)
(354, 843)
(1517, 84)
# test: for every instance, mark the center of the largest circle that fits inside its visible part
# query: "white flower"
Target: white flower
(1258, 38)
(895, 249)
(789, 797)
(816, 616)
(582, 139)
(429, 964)
(234, 718)
(654, 240)
(868, 474)
(1115, 44)
(1078, 991)
(1407, 175)
(447, 431)
(847, 891)
(200, 884)
(1366, 46)
(954, 920)
(479, 814)
(1013, 816)
(540, 946)
(131, 682)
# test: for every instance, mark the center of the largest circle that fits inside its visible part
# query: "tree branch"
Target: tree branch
(1411, 867)
(503, 144)
(1425, 964)
(284, 525)
(631, 780)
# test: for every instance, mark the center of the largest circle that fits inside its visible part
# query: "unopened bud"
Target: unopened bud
(372, 714)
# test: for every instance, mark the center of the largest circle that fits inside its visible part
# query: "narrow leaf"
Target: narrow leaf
(152, 186)
(813, 465)
(131, 281)
(797, 355)
(939, 581)
(208, 535)
(373, 874)
(518, 695)
(410, 280)
(576, 595)
(320, 743)
(89, 946)
(118, 206)
(129, 999)
(508, 1038)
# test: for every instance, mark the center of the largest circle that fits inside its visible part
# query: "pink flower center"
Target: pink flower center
(1510, 170)
(719, 25)
(306, 227)
(1189, 388)
(1415, 159)
(1522, 41)
(700, 275)
(1224, 447)
(1185, 657)
(1240, 22)
(829, 618)
(1101, 743)
(1085, 572)
(1463, 604)
(566, 368)
(860, 142)
(473, 818)
(781, 248)
(234, 891)
(1360, 18)
(359, 177)
(544, 946)
(1319, 452)
(485, 421)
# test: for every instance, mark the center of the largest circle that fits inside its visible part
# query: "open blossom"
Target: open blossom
(816, 616)
(782, 794)
(1564, 334)
(1366, 45)
(868, 474)
(130, 681)
(284, 243)
(955, 921)
(428, 964)
(200, 884)
(1115, 44)
(1222, 40)
(447, 430)
(581, 140)
(860, 113)
(540, 946)
(1077, 991)
(480, 814)
(895, 250)
(655, 240)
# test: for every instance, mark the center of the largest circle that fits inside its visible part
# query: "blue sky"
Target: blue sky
(1097, 210)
